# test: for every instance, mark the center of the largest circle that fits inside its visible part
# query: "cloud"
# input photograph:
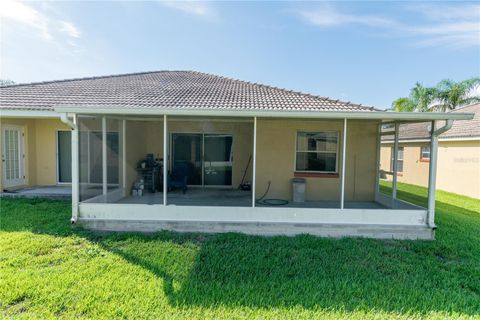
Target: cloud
(327, 16)
(70, 29)
(450, 26)
(15, 13)
(20, 13)
(197, 8)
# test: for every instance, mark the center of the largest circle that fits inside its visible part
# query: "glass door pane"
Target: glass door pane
(218, 159)
(187, 150)
(64, 156)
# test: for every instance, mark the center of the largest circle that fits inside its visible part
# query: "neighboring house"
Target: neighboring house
(237, 145)
(458, 155)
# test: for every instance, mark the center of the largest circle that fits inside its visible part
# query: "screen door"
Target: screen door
(13, 164)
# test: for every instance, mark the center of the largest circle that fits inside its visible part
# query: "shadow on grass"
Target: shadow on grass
(270, 272)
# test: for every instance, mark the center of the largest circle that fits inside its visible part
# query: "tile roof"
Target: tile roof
(460, 128)
(166, 90)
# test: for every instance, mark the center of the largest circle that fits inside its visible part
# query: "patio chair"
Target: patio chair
(178, 177)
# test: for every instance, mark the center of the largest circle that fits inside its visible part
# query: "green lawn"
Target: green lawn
(50, 270)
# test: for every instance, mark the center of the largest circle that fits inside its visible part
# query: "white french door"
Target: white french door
(13, 156)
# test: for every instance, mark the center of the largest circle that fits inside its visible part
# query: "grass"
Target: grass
(49, 269)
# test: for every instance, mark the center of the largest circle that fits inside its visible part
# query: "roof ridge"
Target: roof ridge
(288, 90)
(466, 106)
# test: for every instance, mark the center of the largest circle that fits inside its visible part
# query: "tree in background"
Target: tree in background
(6, 82)
(450, 94)
(446, 95)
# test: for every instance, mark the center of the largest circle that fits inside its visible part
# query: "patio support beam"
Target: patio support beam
(254, 164)
(395, 164)
(344, 157)
(124, 157)
(432, 169)
(104, 156)
(377, 160)
(75, 169)
(165, 162)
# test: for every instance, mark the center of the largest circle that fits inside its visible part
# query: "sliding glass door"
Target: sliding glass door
(208, 157)
(217, 160)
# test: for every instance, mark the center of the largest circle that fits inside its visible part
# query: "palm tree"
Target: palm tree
(403, 104)
(420, 99)
(450, 94)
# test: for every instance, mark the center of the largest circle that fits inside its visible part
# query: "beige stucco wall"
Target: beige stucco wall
(415, 171)
(276, 141)
(458, 167)
(40, 149)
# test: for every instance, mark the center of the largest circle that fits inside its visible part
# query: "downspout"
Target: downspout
(432, 176)
(448, 125)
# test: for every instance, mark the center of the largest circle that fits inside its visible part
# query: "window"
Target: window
(399, 160)
(425, 153)
(317, 152)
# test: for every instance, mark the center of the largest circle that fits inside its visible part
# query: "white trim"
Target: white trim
(254, 163)
(28, 114)
(380, 115)
(344, 158)
(439, 140)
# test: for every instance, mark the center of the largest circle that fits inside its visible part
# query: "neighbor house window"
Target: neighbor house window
(317, 152)
(399, 159)
(425, 153)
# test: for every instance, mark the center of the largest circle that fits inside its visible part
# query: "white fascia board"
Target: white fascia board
(366, 115)
(440, 139)
(28, 114)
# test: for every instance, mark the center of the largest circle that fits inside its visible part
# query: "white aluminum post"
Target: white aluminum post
(104, 156)
(432, 175)
(124, 157)
(344, 157)
(395, 165)
(377, 164)
(165, 162)
(75, 173)
(254, 164)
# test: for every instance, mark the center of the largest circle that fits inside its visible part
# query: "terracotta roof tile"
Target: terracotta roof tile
(165, 90)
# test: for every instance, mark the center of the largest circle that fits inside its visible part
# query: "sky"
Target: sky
(364, 52)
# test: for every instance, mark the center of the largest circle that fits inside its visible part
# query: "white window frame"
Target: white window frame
(422, 152)
(337, 133)
(398, 158)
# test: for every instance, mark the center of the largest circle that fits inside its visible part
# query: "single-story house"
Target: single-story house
(190, 151)
(458, 155)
